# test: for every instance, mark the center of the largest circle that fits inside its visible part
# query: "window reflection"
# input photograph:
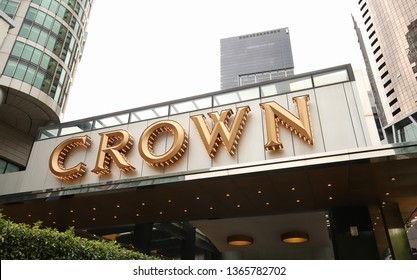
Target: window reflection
(81, 127)
(330, 78)
(49, 133)
(8, 167)
(406, 131)
(9, 7)
(147, 114)
(190, 105)
(286, 86)
(111, 121)
(236, 96)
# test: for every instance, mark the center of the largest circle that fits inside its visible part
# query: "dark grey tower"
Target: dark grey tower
(256, 57)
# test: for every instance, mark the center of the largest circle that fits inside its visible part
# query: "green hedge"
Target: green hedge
(25, 242)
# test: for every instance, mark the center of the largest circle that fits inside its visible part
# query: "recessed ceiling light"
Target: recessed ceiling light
(29, 215)
(330, 197)
(293, 188)
(160, 213)
(211, 208)
(118, 206)
(259, 192)
(115, 217)
(393, 179)
(169, 200)
(197, 198)
(238, 205)
(94, 219)
(137, 214)
(185, 210)
(266, 203)
(239, 240)
(387, 193)
(94, 208)
(298, 201)
(50, 213)
(73, 221)
(294, 237)
(143, 203)
(227, 194)
(329, 184)
(72, 211)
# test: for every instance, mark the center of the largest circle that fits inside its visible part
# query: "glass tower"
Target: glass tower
(41, 42)
(391, 37)
(256, 57)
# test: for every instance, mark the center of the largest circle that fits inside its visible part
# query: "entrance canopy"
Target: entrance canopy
(262, 200)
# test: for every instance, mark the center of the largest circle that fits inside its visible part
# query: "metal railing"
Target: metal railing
(266, 89)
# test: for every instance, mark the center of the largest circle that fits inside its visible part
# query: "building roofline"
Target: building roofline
(260, 33)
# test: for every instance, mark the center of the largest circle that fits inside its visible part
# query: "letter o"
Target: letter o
(171, 156)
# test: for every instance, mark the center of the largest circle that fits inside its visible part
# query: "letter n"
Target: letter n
(222, 131)
(276, 115)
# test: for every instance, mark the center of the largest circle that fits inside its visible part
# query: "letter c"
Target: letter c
(58, 156)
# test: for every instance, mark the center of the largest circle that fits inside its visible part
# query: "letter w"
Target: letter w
(221, 132)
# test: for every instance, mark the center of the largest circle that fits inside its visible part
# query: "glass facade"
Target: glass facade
(391, 26)
(8, 167)
(406, 129)
(257, 57)
(48, 45)
(9, 7)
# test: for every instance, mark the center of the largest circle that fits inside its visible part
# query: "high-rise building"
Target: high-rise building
(373, 95)
(41, 42)
(391, 37)
(257, 57)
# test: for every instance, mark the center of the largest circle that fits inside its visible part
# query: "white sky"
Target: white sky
(146, 52)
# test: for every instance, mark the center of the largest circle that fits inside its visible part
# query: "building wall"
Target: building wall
(258, 57)
(15, 145)
(391, 40)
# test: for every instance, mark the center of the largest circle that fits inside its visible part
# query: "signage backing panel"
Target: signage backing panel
(335, 117)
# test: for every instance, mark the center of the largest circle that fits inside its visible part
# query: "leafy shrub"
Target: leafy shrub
(25, 242)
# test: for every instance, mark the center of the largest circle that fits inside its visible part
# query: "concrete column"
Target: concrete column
(188, 243)
(395, 231)
(352, 234)
(142, 237)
